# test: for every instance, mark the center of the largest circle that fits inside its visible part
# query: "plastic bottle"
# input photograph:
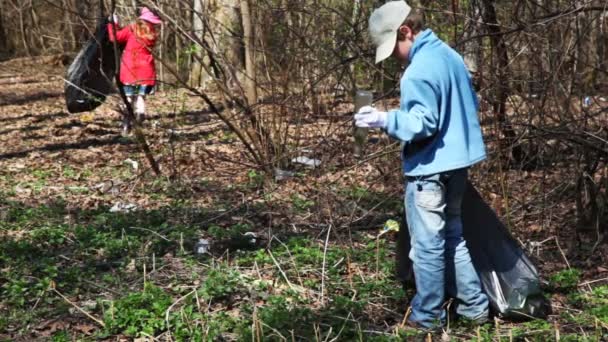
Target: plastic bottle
(362, 98)
(587, 101)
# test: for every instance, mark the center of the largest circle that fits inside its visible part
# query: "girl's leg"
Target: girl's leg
(126, 123)
(140, 108)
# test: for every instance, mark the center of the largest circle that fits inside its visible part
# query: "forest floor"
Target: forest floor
(94, 246)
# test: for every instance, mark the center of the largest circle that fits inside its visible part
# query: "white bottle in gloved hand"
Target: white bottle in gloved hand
(362, 98)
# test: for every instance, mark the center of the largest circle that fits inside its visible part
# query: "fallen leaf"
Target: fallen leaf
(48, 328)
(85, 328)
(88, 117)
(142, 339)
(131, 266)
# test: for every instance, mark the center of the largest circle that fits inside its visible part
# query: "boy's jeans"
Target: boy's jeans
(441, 259)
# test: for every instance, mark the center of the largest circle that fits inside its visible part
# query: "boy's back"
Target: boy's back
(437, 88)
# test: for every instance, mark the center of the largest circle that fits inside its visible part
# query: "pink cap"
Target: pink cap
(148, 16)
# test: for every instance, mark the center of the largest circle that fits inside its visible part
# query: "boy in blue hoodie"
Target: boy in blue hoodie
(437, 120)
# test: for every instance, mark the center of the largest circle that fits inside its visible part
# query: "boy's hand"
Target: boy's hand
(370, 117)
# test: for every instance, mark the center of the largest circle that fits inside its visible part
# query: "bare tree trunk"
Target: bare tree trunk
(4, 44)
(601, 72)
(178, 43)
(249, 43)
(70, 30)
(288, 19)
(472, 49)
(589, 34)
(37, 32)
(196, 69)
(354, 18)
(502, 58)
(22, 28)
(79, 32)
(502, 75)
(580, 57)
(162, 44)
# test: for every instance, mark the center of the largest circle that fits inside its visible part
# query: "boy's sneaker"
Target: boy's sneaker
(476, 322)
(481, 320)
(420, 328)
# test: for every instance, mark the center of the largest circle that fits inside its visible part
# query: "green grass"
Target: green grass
(105, 249)
(138, 313)
(139, 270)
(566, 279)
(301, 203)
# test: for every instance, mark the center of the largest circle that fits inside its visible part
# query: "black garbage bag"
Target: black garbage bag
(90, 77)
(508, 277)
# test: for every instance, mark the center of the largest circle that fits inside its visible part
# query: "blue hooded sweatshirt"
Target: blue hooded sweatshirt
(437, 118)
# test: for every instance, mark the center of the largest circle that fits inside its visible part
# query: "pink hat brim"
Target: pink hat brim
(148, 16)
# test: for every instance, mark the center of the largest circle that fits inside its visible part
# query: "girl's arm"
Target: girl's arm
(122, 35)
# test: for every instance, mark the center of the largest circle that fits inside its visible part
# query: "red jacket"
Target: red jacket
(137, 62)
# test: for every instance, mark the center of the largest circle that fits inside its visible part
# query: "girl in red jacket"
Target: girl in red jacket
(137, 72)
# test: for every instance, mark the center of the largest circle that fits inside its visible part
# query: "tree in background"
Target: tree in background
(5, 46)
(273, 64)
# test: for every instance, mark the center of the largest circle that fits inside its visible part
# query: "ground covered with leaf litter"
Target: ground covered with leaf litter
(93, 246)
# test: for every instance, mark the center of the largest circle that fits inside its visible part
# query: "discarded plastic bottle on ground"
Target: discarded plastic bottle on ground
(587, 101)
(310, 162)
(202, 247)
(362, 98)
(280, 174)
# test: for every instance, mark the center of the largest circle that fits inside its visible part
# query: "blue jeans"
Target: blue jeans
(143, 90)
(442, 264)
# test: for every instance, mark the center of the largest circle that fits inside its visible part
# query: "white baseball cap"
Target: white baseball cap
(383, 25)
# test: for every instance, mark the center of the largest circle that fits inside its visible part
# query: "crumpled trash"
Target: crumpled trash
(280, 175)
(104, 187)
(16, 167)
(123, 208)
(389, 226)
(310, 162)
(587, 101)
(175, 132)
(202, 246)
(133, 163)
(252, 237)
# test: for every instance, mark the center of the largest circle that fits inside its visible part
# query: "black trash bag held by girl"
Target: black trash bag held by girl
(508, 277)
(90, 77)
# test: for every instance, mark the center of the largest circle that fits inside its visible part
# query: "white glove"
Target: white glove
(369, 116)
(113, 19)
